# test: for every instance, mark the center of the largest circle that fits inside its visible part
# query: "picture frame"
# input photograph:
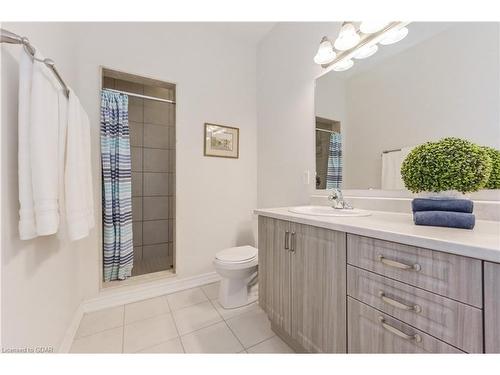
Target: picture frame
(221, 141)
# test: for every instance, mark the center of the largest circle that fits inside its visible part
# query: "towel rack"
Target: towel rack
(9, 37)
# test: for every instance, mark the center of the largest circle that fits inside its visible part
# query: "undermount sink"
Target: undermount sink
(328, 211)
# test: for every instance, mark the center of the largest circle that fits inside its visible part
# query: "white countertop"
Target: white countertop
(482, 242)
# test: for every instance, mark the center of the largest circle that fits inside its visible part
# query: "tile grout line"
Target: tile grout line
(225, 322)
(198, 329)
(175, 323)
(194, 304)
(230, 329)
(260, 342)
(123, 330)
(163, 341)
(140, 351)
(170, 312)
(96, 333)
(210, 325)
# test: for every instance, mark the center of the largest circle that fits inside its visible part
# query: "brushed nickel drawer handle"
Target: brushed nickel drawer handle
(293, 242)
(396, 264)
(398, 304)
(287, 240)
(416, 337)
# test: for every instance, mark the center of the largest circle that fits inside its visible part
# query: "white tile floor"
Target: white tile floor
(191, 321)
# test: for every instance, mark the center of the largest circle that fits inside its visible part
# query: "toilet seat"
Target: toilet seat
(237, 267)
(236, 255)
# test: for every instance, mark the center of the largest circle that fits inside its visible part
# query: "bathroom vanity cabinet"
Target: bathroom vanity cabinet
(302, 284)
(335, 292)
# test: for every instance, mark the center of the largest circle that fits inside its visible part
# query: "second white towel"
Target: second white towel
(79, 200)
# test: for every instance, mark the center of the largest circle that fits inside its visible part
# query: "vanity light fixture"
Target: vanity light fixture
(343, 65)
(358, 43)
(348, 37)
(366, 51)
(325, 54)
(394, 36)
(370, 27)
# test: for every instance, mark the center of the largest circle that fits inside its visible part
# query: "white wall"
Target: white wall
(432, 90)
(329, 98)
(215, 79)
(285, 102)
(42, 279)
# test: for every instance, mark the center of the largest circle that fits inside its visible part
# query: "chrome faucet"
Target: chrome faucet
(338, 201)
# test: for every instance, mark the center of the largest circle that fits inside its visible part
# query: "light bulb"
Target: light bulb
(394, 36)
(325, 54)
(343, 65)
(348, 37)
(366, 51)
(370, 27)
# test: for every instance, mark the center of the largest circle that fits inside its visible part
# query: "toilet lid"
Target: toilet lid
(237, 254)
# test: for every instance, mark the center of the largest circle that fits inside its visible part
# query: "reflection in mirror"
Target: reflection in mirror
(442, 80)
(328, 140)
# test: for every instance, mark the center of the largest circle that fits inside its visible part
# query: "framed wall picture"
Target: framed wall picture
(222, 141)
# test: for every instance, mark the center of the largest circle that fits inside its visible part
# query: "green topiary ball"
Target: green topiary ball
(494, 180)
(449, 164)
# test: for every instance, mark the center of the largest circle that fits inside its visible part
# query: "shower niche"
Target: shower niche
(151, 118)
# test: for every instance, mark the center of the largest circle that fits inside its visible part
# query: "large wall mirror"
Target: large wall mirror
(442, 80)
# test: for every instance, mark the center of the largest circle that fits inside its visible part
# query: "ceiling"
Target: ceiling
(245, 32)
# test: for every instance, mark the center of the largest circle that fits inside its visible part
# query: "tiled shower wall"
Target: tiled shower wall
(152, 141)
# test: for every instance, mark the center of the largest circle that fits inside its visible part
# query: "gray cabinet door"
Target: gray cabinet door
(492, 307)
(274, 272)
(319, 288)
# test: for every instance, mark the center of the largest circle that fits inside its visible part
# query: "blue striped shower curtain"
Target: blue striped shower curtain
(116, 187)
(334, 172)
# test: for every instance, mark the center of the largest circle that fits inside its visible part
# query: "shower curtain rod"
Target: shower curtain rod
(141, 96)
(326, 131)
(9, 37)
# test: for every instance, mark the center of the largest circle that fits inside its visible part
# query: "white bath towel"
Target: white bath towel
(391, 169)
(27, 225)
(79, 200)
(47, 119)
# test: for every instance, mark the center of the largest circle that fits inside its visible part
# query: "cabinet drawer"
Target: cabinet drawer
(492, 307)
(370, 331)
(449, 275)
(453, 322)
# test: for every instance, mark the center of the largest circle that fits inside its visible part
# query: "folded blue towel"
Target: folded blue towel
(430, 204)
(445, 219)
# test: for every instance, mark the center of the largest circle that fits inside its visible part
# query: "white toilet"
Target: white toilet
(237, 266)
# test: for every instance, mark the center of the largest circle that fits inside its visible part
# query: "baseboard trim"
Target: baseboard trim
(70, 333)
(134, 293)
